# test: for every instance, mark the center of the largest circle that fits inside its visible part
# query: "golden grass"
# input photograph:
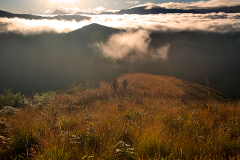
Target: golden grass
(156, 115)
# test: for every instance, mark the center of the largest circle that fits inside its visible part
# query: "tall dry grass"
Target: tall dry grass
(160, 117)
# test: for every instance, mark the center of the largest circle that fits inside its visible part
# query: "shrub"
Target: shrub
(8, 98)
(7, 110)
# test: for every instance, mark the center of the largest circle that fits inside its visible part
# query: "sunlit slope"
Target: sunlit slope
(166, 86)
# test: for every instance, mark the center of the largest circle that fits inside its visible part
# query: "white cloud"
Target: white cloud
(133, 2)
(113, 11)
(96, 10)
(213, 22)
(136, 40)
(194, 5)
(47, 11)
(70, 9)
(131, 46)
(99, 9)
(26, 27)
(170, 5)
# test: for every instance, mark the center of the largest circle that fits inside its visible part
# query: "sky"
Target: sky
(32, 6)
(211, 22)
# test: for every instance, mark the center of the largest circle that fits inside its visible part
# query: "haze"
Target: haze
(99, 40)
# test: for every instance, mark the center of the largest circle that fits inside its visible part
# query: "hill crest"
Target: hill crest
(166, 86)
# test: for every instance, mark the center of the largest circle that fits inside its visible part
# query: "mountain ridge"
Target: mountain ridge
(150, 84)
(59, 12)
(161, 10)
(77, 18)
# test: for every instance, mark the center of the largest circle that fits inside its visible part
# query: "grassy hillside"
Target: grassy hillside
(162, 86)
(156, 117)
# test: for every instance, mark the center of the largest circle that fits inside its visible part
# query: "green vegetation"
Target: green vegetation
(156, 117)
(8, 98)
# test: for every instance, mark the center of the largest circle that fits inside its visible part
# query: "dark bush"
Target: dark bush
(8, 98)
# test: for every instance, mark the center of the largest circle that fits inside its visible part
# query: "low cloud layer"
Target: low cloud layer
(132, 46)
(212, 22)
(26, 27)
(194, 5)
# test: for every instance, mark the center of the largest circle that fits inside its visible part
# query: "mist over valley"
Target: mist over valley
(40, 53)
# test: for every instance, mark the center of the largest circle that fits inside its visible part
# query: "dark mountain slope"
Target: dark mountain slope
(93, 33)
(53, 61)
(232, 9)
(88, 13)
(216, 56)
(196, 56)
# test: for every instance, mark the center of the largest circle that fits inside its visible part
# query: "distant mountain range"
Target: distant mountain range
(59, 12)
(61, 15)
(157, 10)
(78, 18)
(53, 61)
(88, 13)
(233, 9)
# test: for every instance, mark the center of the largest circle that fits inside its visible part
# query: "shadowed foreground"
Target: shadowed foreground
(156, 117)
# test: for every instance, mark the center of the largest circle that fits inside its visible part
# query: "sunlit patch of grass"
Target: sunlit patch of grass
(153, 144)
(54, 147)
(156, 116)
